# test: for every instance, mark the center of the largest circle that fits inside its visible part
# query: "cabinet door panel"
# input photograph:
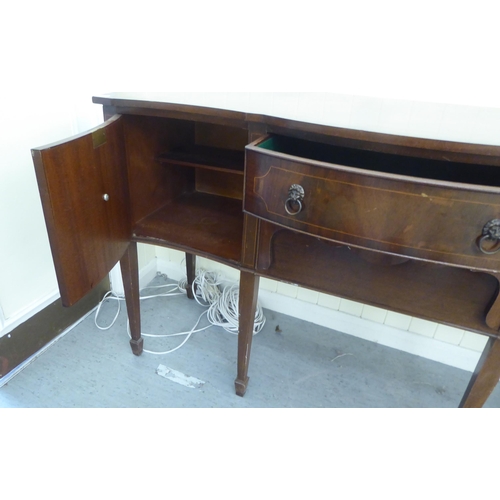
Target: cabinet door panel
(83, 187)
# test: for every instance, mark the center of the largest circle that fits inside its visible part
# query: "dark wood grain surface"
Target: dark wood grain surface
(88, 235)
(429, 219)
(207, 225)
(445, 294)
(386, 220)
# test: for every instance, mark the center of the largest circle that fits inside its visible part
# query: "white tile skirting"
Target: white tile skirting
(413, 343)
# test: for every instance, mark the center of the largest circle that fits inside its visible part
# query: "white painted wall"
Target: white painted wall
(27, 277)
(26, 273)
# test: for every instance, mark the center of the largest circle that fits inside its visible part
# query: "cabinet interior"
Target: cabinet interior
(186, 184)
(399, 164)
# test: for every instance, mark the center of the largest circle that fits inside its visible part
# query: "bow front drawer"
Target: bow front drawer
(420, 208)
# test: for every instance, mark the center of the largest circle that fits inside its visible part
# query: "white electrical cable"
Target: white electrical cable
(221, 303)
(119, 298)
(188, 336)
(108, 296)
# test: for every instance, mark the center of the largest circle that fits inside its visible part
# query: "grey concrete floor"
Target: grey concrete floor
(294, 364)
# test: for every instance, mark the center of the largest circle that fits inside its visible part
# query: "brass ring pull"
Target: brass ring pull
(491, 232)
(293, 205)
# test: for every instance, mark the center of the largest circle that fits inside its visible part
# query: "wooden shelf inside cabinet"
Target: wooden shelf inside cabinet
(199, 223)
(450, 295)
(210, 158)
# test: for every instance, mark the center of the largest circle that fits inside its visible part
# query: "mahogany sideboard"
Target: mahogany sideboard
(406, 224)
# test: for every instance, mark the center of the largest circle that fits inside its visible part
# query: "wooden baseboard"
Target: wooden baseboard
(38, 331)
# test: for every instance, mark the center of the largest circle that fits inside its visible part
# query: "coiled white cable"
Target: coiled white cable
(221, 301)
(225, 311)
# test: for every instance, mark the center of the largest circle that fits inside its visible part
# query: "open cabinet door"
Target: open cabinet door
(84, 192)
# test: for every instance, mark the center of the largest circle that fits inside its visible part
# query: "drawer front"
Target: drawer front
(428, 220)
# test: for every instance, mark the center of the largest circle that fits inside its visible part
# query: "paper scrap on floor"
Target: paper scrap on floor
(179, 378)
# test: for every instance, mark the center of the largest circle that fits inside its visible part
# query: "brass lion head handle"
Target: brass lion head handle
(491, 233)
(293, 204)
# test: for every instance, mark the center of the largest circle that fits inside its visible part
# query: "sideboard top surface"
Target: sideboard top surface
(239, 110)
